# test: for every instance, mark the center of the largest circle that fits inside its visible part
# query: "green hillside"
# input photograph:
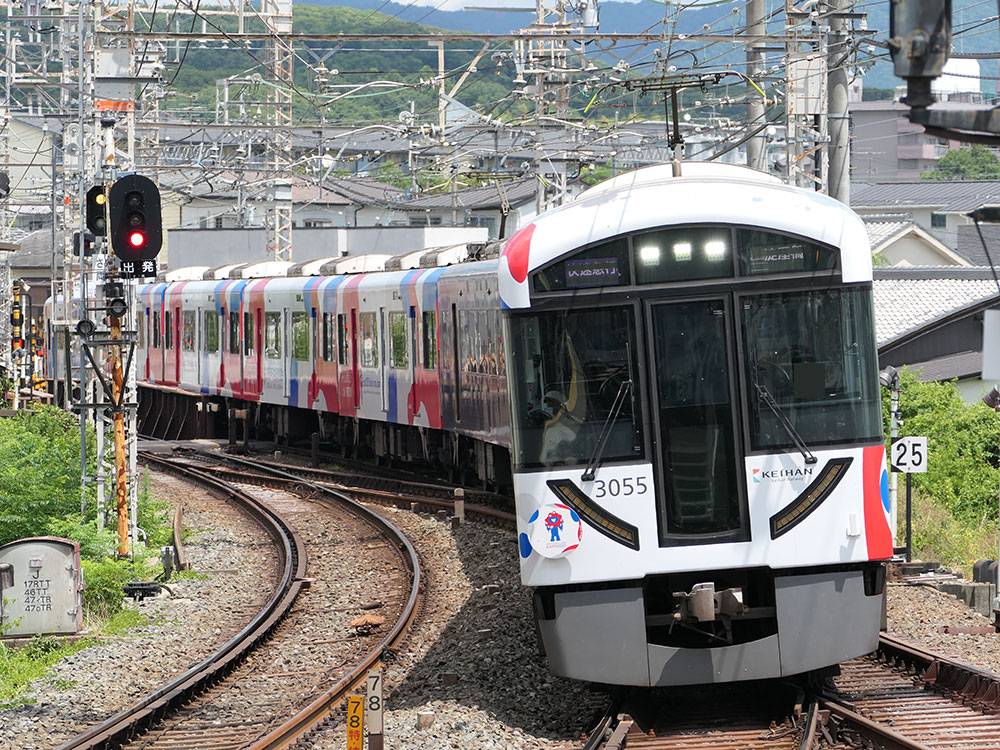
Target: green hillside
(356, 63)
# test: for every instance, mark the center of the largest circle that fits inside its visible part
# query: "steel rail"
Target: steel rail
(443, 501)
(320, 709)
(888, 738)
(176, 693)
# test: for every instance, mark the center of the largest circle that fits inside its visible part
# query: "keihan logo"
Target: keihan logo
(782, 475)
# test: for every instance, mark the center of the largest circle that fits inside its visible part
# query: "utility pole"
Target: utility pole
(756, 104)
(838, 117)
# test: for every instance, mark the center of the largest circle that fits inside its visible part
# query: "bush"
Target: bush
(962, 441)
(104, 579)
(40, 471)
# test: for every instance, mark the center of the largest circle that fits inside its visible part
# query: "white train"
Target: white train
(676, 374)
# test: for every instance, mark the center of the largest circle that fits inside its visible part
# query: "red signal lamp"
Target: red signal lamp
(136, 239)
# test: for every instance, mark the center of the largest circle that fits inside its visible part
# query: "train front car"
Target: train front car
(698, 457)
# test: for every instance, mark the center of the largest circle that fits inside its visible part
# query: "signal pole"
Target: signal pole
(121, 463)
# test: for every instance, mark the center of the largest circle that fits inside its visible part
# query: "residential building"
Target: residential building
(937, 207)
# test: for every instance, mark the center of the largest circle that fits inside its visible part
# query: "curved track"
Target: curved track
(170, 698)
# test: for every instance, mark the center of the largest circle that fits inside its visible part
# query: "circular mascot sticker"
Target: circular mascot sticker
(555, 530)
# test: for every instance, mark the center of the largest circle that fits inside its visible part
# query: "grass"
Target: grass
(20, 666)
(939, 536)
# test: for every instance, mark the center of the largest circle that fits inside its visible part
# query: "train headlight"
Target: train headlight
(810, 498)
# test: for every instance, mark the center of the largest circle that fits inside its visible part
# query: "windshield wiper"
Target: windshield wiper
(768, 399)
(616, 407)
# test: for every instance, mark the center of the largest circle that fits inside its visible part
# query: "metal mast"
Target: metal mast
(277, 18)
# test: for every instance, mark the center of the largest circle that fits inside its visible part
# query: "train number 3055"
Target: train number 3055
(620, 487)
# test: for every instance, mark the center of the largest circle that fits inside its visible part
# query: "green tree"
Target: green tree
(972, 163)
(962, 442)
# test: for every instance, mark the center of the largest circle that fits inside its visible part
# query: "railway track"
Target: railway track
(146, 719)
(378, 488)
(902, 697)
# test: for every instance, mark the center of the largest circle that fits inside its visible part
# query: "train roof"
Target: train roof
(703, 193)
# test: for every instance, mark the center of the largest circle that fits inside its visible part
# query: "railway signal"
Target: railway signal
(136, 222)
(97, 201)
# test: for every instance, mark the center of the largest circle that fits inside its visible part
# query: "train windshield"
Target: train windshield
(567, 369)
(813, 352)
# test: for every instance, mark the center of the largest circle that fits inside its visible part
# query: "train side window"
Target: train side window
(157, 332)
(187, 335)
(482, 322)
(369, 339)
(430, 342)
(141, 329)
(399, 356)
(211, 331)
(168, 330)
(329, 337)
(466, 336)
(300, 336)
(234, 332)
(248, 333)
(272, 335)
(342, 341)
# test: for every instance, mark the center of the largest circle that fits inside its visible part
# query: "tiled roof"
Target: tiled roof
(883, 231)
(909, 298)
(953, 195)
(970, 246)
(949, 367)
(485, 197)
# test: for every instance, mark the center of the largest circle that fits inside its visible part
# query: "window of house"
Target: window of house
(211, 331)
(430, 340)
(939, 221)
(369, 339)
(342, 345)
(272, 335)
(187, 335)
(300, 336)
(399, 355)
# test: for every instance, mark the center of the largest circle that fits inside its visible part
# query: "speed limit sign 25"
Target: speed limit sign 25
(909, 455)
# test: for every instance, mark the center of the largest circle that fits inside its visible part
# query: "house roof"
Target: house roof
(479, 198)
(946, 195)
(961, 365)
(910, 298)
(35, 251)
(881, 232)
(971, 247)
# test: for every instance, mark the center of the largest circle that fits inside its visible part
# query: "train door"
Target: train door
(199, 327)
(695, 416)
(285, 351)
(314, 358)
(259, 350)
(383, 362)
(414, 405)
(175, 337)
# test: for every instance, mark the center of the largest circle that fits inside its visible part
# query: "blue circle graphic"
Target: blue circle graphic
(574, 516)
(884, 487)
(525, 544)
